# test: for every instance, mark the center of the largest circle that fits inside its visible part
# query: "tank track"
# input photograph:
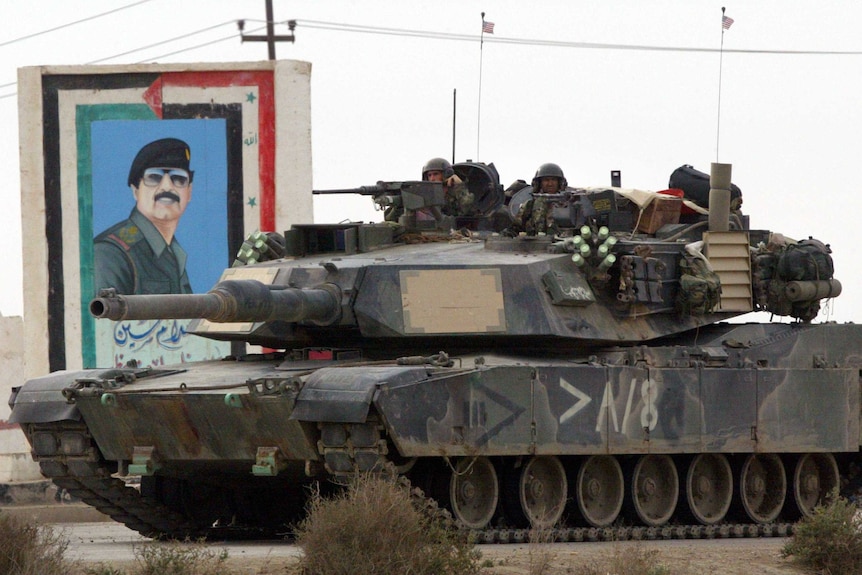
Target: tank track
(89, 478)
(613, 533)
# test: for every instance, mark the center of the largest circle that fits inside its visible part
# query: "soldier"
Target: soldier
(458, 198)
(549, 179)
(140, 255)
(534, 215)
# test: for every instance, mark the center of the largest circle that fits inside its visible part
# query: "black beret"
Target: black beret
(164, 153)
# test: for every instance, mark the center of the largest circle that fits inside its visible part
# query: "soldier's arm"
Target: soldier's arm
(462, 198)
(112, 269)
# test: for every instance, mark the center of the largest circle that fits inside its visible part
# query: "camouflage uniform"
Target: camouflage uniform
(459, 201)
(534, 217)
(133, 257)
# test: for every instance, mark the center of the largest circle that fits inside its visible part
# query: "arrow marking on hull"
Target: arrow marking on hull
(582, 400)
(513, 408)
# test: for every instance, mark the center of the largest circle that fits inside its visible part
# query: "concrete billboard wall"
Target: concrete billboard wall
(247, 127)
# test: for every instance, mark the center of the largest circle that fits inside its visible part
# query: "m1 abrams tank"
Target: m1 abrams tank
(547, 361)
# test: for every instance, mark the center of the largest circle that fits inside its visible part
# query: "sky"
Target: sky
(641, 86)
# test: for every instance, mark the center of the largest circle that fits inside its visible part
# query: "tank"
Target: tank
(549, 361)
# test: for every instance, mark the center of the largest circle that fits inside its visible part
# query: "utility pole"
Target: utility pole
(270, 37)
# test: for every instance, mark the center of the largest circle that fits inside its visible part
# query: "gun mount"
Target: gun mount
(406, 202)
(431, 206)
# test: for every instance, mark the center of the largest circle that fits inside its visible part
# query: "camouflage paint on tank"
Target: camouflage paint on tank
(431, 350)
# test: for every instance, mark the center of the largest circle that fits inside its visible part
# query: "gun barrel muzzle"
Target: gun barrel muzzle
(228, 301)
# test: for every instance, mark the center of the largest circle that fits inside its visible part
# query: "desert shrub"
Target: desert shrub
(172, 558)
(830, 540)
(103, 569)
(540, 552)
(179, 559)
(378, 526)
(31, 549)
(630, 559)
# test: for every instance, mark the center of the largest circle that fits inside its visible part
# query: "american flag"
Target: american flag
(726, 22)
(487, 27)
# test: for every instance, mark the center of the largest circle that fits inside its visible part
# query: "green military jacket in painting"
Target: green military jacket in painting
(133, 257)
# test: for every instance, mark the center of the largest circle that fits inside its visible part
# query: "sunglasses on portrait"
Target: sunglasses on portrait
(153, 177)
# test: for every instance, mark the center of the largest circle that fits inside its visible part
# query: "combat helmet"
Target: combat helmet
(440, 164)
(550, 170)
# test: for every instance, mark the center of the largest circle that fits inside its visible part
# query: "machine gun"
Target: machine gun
(413, 204)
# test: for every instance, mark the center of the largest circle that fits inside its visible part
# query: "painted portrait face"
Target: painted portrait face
(163, 193)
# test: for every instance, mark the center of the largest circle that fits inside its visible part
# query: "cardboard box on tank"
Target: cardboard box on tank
(663, 210)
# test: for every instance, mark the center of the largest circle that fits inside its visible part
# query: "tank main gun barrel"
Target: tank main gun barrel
(228, 301)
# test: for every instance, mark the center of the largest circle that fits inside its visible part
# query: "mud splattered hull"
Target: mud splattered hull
(754, 423)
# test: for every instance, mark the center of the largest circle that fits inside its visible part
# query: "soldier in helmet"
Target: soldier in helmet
(533, 215)
(549, 179)
(141, 254)
(458, 198)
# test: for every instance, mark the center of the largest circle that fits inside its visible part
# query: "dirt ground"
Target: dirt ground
(698, 557)
(708, 557)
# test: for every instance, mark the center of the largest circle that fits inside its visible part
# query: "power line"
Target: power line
(406, 32)
(87, 19)
(196, 46)
(163, 42)
(168, 41)
(341, 27)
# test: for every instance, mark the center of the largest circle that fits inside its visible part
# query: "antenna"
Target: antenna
(726, 23)
(454, 112)
(479, 110)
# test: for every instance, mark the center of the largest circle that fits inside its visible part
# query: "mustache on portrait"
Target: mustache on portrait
(168, 195)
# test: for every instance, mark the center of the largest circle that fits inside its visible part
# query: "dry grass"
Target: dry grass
(30, 549)
(172, 558)
(629, 559)
(540, 552)
(378, 526)
(830, 541)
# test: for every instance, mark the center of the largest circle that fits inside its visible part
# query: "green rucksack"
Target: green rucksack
(699, 287)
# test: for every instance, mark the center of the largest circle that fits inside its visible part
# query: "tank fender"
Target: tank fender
(344, 394)
(41, 400)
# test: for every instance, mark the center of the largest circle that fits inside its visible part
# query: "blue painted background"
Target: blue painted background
(202, 230)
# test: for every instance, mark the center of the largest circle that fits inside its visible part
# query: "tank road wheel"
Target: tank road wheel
(815, 475)
(654, 489)
(762, 487)
(542, 489)
(474, 491)
(709, 487)
(600, 490)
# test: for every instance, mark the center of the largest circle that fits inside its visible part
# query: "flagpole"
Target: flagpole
(720, 64)
(479, 110)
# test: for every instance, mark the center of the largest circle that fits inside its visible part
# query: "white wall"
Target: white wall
(15, 462)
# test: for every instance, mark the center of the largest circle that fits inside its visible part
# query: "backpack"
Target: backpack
(695, 185)
(806, 260)
(699, 287)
